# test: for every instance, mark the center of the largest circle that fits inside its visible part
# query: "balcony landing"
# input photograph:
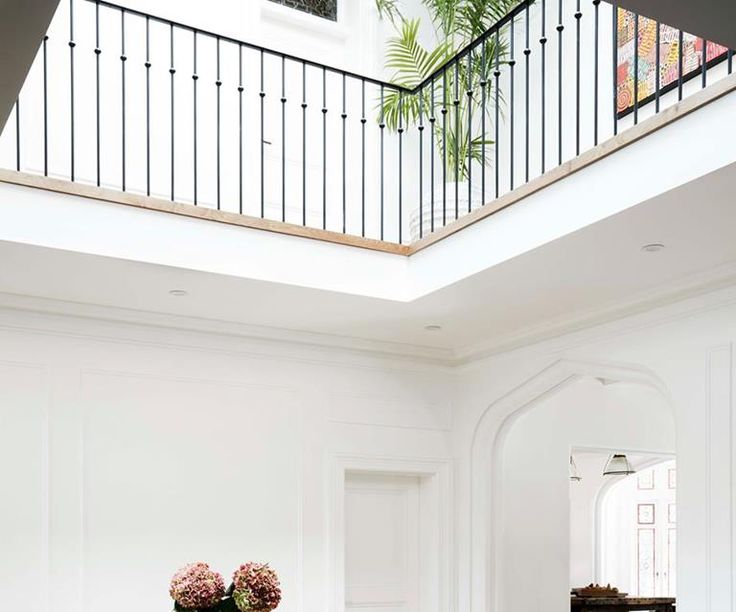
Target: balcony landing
(632, 135)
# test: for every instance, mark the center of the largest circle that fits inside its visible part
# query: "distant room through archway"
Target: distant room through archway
(638, 532)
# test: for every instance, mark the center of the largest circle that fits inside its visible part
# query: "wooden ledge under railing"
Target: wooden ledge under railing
(666, 117)
(136, 200)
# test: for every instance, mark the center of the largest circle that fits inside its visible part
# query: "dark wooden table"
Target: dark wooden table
(622, 604)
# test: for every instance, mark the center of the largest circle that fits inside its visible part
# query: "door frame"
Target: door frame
(436, 481)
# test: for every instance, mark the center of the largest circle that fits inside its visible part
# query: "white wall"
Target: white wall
(535, 486)
(102, 422)
(127, 452)
(685, 352)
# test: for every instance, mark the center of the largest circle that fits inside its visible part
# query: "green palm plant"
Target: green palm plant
(455, 24)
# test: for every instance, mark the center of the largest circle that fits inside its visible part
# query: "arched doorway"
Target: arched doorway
(501, 562)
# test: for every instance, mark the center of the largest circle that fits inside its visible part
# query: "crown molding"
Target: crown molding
(656, 306)
(210, 334)
(705, 291)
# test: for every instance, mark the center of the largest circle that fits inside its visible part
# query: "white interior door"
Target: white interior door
(382, 544)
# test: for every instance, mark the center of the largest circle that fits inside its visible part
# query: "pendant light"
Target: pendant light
(574, 474)
(618, 465)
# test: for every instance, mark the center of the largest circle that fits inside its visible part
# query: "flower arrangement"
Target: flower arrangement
(196, 588)
(256, 588)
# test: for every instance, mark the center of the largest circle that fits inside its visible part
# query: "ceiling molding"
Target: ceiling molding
(688, 297)
(267, 336)
(646, 302)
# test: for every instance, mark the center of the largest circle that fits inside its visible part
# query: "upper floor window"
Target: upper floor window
(321, 8)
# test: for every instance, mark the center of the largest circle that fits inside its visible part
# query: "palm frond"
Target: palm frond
(389, 9)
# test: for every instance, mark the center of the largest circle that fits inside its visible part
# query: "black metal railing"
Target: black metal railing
(145, 104)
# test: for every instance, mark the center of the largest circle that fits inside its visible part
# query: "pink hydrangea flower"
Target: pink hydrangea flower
(257, 587)
(197, 587)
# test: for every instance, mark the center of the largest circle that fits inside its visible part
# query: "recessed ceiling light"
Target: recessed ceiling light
(433, 328)
(655, 247)
(178, 292)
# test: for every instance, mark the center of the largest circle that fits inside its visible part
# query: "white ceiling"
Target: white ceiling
(595, 269)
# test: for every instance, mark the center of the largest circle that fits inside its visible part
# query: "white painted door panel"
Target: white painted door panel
(382, 543)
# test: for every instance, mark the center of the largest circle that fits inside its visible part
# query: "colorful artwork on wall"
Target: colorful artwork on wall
(669, 48)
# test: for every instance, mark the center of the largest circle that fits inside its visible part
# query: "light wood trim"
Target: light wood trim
(612, 145)
(197, 212)
(621, 141)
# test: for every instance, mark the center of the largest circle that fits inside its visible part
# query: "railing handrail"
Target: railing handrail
(468, 48)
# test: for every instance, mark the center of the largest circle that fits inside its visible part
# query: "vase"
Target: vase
(443, 194)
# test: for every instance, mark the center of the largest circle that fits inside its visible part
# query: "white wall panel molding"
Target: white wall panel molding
(24, 473)
(377, 411)
(165, 466)
(66, 486)
(719, 446)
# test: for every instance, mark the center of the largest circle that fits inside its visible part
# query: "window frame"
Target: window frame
(306, 11)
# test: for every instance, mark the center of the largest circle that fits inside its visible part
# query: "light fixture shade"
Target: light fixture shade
(618, 465)
(574, 474)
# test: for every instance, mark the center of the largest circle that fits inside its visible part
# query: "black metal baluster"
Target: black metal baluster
(344, 117)
(527, 54)
(636, 68)
(596, 57)
(218, 85)
(401, 166)
(262, 95)
(195, 78)
(172, 72)
(363, 121)
(512, 137)
(421, 163)
(432, 121)
(123, 60)
(283, 138)
(578, 18)
(17, 134)
(456, 104)
(483, 102)
(46, 115)
(560, 28)
(98, 52)
(614, 71)
(469, 93)
(680, 52)
(304, 144)
(704, 62)
(497, 75)
(324, 149)
(382, 128)
(444, 147)
(72, 44)
(543, 45)
(241, 89)
(148, 107)
(658, 68)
